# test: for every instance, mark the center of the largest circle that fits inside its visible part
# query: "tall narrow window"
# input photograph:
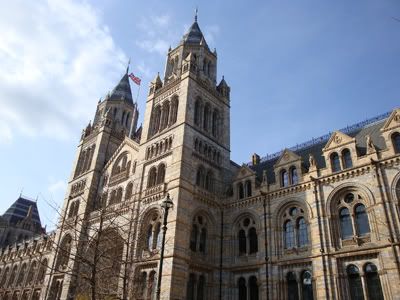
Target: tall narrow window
(293, 292)
(193, 238)
(302, 234)
(347, 162)
(396, 142)
(200, 288)
(362, 224)
(128, 192)
(174, 111)
(355, 285)
(206, 118)
(240, 190)
(307, 289)
(346, 228)
(374, 286)
(289, 234)
(293, 175)
(242, 242)
(203, 239)
(248, 188)
(157, 236)
(284, 178)
(253, 286)
(197, 112)
(152, 177)
(215, 121)
(190, 287)
(161, 174)
(253, 241)
(150, 238)
(335, 162)
(242, 289)
(200, 177)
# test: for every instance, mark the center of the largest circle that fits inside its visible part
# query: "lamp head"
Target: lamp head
(167, 203)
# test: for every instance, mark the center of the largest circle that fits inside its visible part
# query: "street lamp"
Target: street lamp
(166, 204)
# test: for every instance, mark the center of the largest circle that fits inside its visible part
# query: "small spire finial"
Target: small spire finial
(127, 68)
(195, 14)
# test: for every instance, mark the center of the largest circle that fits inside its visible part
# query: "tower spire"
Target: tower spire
(195, 14)
(127, 67)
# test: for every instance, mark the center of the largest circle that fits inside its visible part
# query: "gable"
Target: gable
(338, 139)
(287, 157)
(393, 121)
(244, 172)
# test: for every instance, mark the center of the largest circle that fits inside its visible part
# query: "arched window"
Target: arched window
(253, 241)
(193, 238)
(206, 118)
(190, 287)
(203, 240)
(284, 178)
(128, 192)
(174, 110)
(242, 242)
(13, 275)
(42, 271)
(247, 236)
(119, 195)
(396, 142)
(152, 177)
(215, 121)
(289, 234)
(253, 287)
(242, 288)
(346, 228)
(240, 190)
(293, 292)
(200, 177)
(374, 286)
(306, 286)
(4, 277)
(355, 286)
(302, 232)
(248, 188)
(197, 112)
(151, 285)
(347, 162)
(293, 175)
(142, 284)
(32, 273)
(362, 224)
(335, 162)
(21, 275)
(209, 183)
(200, 288)
(161, 174)
(164, 115)
(152, 230)
(64, 253)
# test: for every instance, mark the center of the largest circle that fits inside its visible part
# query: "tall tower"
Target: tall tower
(115, 119)
(190, 112)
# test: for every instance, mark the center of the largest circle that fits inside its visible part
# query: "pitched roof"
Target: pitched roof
(19, 210)
(360, 134)
(122, 91)
(194, 35)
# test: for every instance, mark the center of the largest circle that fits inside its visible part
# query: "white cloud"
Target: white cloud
(57, 187)
(159, 46)
(210, 33)
(57, 59)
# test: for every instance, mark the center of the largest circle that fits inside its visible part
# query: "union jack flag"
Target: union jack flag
(135, 79)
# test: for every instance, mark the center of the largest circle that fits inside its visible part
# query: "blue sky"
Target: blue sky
(297, 70)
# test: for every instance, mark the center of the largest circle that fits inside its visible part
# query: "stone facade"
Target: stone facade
(320, 221)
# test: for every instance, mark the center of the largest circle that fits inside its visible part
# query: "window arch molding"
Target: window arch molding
(150, 231)
(246, 233)
(202, 244)
(121, 163)
(282, 216)
(350, 196)
(395, 187)
(395, 141)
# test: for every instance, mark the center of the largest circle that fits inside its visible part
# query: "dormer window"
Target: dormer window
(284, 178)
(396, 142)
(335, 162)
(346, 156)
(293, 176)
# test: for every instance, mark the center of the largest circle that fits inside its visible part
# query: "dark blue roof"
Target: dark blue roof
(122, 91)
(194, 35)
(19, 210)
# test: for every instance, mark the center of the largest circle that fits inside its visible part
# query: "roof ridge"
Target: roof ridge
(348, 129)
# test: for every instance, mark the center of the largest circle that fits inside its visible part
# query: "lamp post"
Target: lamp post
(166, 204)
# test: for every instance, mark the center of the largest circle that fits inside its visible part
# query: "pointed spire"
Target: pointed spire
(122, 91)
(196, 13)
(127, 68)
